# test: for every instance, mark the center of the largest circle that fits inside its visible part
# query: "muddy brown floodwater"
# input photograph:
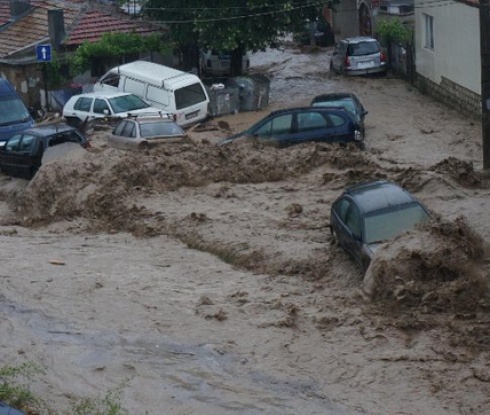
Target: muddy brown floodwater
(204, 280)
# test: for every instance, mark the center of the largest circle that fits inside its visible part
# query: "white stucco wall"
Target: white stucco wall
(456, 54)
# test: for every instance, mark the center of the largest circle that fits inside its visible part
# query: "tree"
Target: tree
(235, 25)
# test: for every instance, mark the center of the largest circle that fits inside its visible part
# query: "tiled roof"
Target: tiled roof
(32, 28)
(4, 12)
(94, 24)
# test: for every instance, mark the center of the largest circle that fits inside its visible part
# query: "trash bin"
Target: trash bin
(253, 91)
(223, 99)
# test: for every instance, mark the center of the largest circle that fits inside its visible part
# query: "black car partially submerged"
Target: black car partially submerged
(345, 100)
(299, 125)
(369, 214)
(22, 154)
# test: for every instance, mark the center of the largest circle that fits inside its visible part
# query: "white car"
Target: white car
(215, 63)
(112, 105)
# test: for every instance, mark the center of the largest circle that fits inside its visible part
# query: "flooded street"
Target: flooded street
(199, 279)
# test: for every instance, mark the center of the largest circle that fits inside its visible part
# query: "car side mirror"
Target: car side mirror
(364, 112)
(106, 112)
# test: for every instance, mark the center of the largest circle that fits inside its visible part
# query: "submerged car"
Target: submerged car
(360, 55)
(23, 153)
(112, 105)
(342, 99)
(368, 214)
(8, 410)
(146, 131)
(287, 127)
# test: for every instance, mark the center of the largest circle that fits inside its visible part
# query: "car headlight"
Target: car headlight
(357, 135)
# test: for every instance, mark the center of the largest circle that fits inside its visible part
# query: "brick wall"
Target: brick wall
(451, 94)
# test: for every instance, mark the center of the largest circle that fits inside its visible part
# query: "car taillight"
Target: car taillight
(347, 61)
(382, 57)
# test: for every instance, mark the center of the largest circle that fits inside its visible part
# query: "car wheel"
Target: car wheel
(144, 146)
(343, 145)
(361, 145)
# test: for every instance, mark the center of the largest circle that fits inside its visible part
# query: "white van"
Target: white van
(178, 93)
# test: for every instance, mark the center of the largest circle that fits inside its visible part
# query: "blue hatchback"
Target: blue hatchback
(291, 126)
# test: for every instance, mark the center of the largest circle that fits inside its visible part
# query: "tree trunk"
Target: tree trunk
(236, 64)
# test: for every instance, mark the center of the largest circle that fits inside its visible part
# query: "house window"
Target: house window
(429, 31)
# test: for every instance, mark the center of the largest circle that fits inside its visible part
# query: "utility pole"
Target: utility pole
(485, 80)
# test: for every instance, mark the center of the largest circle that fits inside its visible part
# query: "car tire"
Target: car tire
(361, 145)
(143, 146)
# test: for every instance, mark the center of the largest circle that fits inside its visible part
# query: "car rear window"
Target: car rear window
(189, 95)
(160, 128)
(383, 226)
(363, 48)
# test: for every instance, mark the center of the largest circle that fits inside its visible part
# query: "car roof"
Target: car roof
(334, 96)
(46, 130)
(102, 94)
(307, 109)
(357, 39)
(379, 195)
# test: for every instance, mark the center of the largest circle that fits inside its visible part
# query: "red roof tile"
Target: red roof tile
(32, 28)
(94, 24)
(4, 12)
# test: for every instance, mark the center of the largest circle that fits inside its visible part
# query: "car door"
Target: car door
(354, 233)
(312, 126)
(101, 108)
(341, 127)
(82, 108)
(336, 57)
(8, 155)
(279, 129)
(18, 157)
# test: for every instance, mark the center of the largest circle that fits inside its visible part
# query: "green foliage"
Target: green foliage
(393, 30)
(13, 384)
(110, 404)
(251, 24)
(55, 77)
(114, 45)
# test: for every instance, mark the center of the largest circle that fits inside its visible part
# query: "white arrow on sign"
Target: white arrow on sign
(43, 52)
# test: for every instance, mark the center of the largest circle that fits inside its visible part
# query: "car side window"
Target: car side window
(353, 220)
(26, 143)
(83, 104)
(336, 120)
(13, 143)
(129, 130)
(119, 128)
(100, 106)
(277, 126)
(311, 121)
(341, 208)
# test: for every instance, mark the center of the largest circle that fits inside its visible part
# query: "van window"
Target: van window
(189, 95)
(136, 87)
(12, 110)
(157, 95)
(112, 79)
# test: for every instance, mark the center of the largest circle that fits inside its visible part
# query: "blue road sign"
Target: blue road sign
(43, 53)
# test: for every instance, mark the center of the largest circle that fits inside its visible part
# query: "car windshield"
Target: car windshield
(12, 111)
(127, 103)
(344, 103)
(160, 128)
(385, 225)
(363, 48)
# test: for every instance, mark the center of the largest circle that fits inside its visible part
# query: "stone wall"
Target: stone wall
(451, 94)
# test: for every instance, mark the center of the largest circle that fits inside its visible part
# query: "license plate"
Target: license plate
(191, 115)
(363, 65)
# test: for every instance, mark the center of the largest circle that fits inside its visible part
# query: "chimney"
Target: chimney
(56, 27)
(18, 8)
